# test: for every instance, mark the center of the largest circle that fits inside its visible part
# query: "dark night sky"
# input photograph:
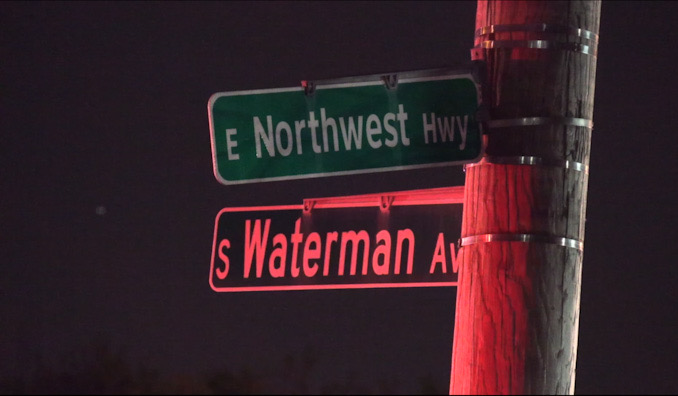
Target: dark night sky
(104, 105)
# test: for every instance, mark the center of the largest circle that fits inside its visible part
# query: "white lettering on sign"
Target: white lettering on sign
(350, 134)
(327, 133)
(330, 134)
(260, 136)
(445, 129)
(230, 144)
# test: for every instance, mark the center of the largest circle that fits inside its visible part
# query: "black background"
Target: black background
(423, 223)
(108, 197)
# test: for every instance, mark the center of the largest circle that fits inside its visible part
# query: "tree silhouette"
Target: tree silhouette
(104, 370)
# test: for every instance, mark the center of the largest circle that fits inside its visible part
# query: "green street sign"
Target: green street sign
(354, 125)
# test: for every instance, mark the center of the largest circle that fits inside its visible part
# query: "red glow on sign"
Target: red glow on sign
(400, 239)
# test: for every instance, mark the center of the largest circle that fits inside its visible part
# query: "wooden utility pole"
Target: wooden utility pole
(517, 315)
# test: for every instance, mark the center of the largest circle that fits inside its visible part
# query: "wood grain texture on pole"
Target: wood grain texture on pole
(517, 315)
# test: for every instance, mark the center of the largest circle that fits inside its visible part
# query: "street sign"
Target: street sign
(347, 126)
(404, 239)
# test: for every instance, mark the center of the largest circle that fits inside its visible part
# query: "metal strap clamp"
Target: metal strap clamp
(531, 121)
(560, 241)
(588, 48)
(538, 27)
(532, 160)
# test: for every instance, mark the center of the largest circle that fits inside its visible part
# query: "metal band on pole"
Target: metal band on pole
(560, 241)
(589, 47)
(530, 121)
(539, 44)
(538, 27)
(531, 160)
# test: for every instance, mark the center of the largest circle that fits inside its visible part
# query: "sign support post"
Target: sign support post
(517, 315)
